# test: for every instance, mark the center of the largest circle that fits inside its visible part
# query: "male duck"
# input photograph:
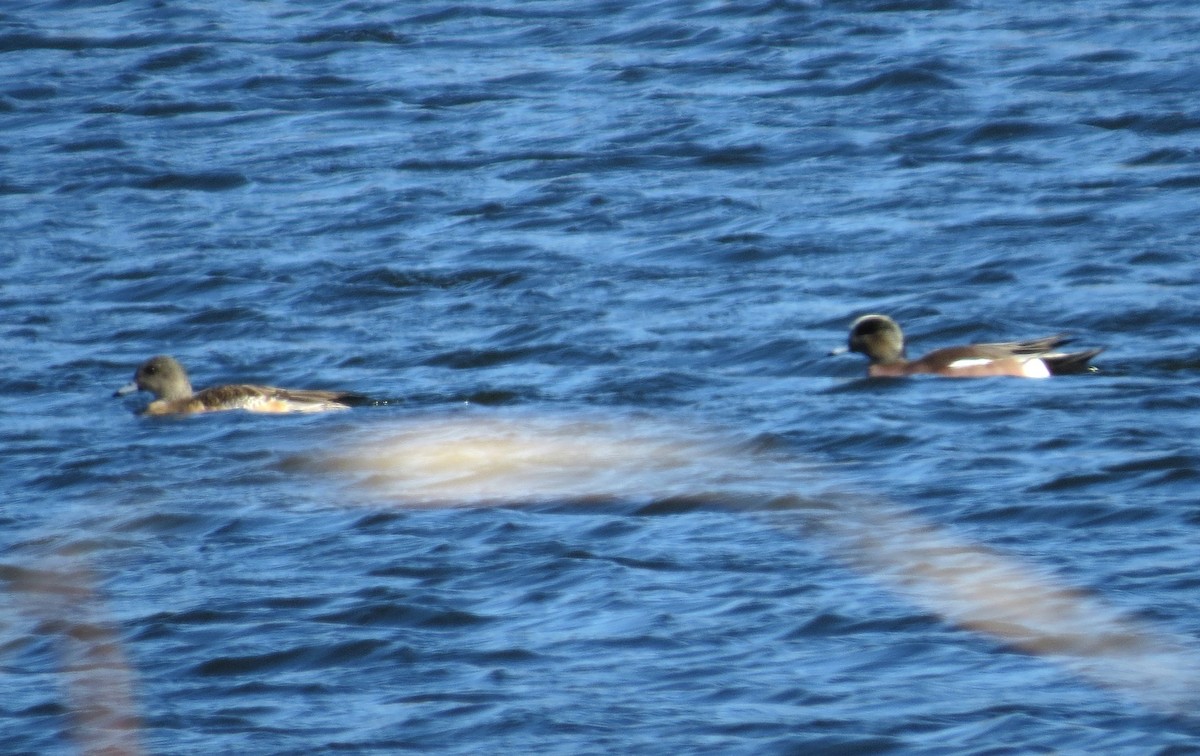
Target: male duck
(882, 341)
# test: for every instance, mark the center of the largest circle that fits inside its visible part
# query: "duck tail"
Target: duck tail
(1067, 363)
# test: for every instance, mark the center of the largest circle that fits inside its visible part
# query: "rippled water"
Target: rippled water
(613, 496)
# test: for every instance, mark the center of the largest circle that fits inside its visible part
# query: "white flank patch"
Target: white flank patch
(1032, 368)
(1035, 368)
(969, 363)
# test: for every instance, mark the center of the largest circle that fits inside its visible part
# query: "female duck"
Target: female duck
(164, 377)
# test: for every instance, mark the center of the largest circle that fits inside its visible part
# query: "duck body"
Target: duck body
(881, 340)
(164, 377)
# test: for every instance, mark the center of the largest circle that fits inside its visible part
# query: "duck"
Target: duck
(879, 338)
(165, 378)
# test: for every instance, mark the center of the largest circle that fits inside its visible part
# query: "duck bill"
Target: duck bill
(839, 351)
(128, 388)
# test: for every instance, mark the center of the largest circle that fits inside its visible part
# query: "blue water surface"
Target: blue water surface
(642, 214)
